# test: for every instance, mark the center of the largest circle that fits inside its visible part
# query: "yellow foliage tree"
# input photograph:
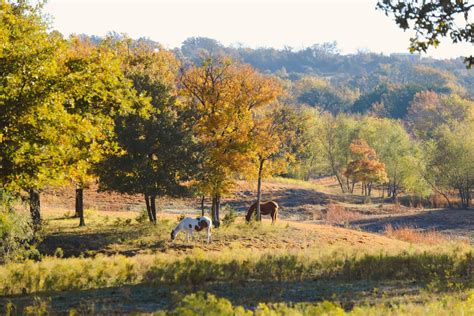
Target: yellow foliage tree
(222, 96)
(279, 137)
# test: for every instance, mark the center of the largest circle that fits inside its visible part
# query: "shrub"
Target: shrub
(16, 234)
(7, 201)
(59, 253)
(32, 254)
(339, 215)
(142, 217)
(412, 235)
(229, 217)
(207, 304)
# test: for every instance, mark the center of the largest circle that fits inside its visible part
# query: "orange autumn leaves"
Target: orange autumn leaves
(365, 168)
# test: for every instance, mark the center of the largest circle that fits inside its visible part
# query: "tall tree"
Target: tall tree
(155, 141)
(278, 137)
(393, 146)
(333, 136)
(33, 120)
(451, 162)
(96, 92)
(223, 95)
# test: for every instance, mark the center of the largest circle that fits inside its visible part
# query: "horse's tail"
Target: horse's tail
(275, 212)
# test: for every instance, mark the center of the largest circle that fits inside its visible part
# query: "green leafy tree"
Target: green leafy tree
(393, 145)
(96, 91)
(318, 92)
(33, 143)
(155, 142)
(451, 162)
(307, 162)
(333, 136)
(389, 100)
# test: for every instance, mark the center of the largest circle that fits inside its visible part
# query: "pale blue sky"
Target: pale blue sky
(354, 25)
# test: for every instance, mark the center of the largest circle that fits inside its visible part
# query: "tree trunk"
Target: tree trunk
(340, 182)
(153, 207)
(213, 209)
(395, 191)
(216, 201)
(465, 195)
(148, 207)
(259, 189)
(218, 208)
(76, 213)
(80, 205)
(35, 207)
(469, 197)
(202, 205)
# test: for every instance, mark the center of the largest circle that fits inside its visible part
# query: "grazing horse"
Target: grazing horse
(266, 208)
(189, 224)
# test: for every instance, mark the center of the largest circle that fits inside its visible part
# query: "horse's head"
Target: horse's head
(248, 217)
(173, 235)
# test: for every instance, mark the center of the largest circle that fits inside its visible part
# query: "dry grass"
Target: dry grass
(338, 215)
(412, 235)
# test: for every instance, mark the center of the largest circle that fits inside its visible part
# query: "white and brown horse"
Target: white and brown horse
(266, 208)
(189, 224)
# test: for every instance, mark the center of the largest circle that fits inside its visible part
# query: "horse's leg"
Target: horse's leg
(208, 234)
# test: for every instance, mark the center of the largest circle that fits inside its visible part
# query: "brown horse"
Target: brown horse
(266, 208)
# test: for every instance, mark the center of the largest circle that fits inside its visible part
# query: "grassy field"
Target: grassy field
(119, 263)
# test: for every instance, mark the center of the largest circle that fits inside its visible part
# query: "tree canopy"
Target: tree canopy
(432, 21)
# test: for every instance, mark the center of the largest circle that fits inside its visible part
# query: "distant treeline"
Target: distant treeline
(321, 76)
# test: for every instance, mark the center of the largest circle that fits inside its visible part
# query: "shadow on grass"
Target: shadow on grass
(111, 241)
(96, 241)
(145, 298)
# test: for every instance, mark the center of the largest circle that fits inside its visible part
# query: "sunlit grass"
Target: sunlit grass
(450, 267)
(201, 303)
